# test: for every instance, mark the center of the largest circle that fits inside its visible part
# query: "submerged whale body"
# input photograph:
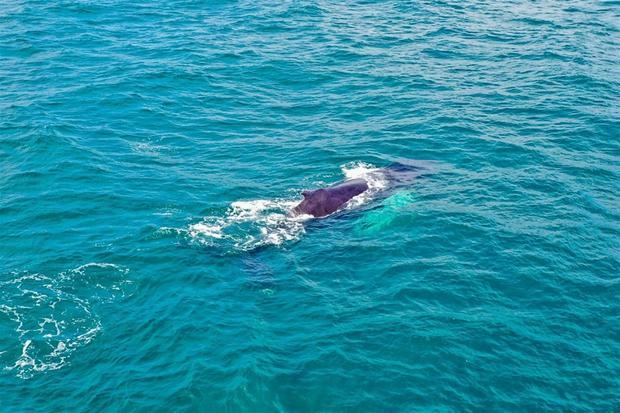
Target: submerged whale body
(324, 201)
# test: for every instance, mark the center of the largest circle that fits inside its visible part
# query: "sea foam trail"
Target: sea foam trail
(247, 225)
(54, 316)
(250, 224)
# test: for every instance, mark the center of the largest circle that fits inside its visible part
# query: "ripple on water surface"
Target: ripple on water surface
(46, 318)
(171, 138)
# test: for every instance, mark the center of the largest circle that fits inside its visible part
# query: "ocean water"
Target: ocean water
(150, 151)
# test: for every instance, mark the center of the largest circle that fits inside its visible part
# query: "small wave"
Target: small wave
(53, 316)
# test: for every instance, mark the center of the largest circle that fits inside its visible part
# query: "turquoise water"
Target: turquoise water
(149, 152)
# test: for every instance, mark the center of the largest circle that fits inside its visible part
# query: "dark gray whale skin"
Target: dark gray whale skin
(324, 201)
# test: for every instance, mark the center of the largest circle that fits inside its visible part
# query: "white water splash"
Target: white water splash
(250, 224)
(375, 177)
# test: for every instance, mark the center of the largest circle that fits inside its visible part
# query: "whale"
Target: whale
(325, 201)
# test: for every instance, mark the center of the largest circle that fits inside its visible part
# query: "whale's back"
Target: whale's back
(325, 201)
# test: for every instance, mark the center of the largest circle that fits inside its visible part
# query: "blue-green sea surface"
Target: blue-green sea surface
(150, 152)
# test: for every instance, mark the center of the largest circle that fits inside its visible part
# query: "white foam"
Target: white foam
(167, 212)
(46, 333)
(250, 224)
(374, 177)
(108, 265)
(208, 230)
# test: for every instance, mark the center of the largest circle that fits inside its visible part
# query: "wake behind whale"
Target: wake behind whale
(247, 225)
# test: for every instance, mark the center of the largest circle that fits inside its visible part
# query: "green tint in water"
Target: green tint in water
(391, 208)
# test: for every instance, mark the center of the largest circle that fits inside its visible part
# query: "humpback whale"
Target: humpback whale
(324, 201)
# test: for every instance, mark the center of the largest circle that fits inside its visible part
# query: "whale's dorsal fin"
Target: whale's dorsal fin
(307, 193)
